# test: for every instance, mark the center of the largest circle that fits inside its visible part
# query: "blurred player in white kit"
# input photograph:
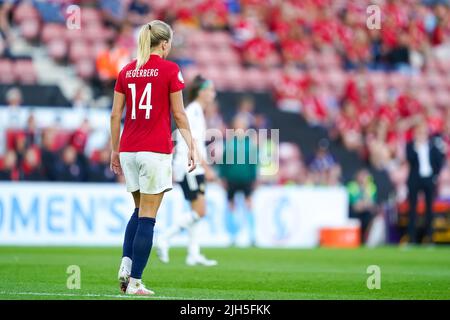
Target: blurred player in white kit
(201, 95)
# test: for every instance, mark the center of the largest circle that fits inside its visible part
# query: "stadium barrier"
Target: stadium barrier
(91, 214)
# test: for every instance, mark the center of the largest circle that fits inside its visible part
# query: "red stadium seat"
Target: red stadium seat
(52, 31)
(190, 72)
(442, 98)
(79, 50)
(378, 79)
(273, 76)
(7, 75)
(227, 57)
(425, 96)
(219, 39)
(94, 32)
(256, 80)
(85, 68)
(203, 56)
(57, 49)
(29, 29)
(74, 35)
(234, 77)
(398, 80)
(337, 80)
(25, 72)
(90, 16)
(197, 38)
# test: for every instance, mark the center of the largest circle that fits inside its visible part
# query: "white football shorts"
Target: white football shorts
(149, 172)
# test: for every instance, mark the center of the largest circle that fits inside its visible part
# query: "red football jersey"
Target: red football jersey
(147, 91)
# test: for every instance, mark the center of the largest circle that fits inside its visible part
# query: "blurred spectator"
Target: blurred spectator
(292, 169)
(349, 127)
(126, 38)
(99, 171)
(213, 14)
(80, 99)
(362, 199)
(314, 106)
(14, 97)
(213, 118)
(30, 169)
(246, 110)
(260, 51)
(139, 12)
(425, 160)
(68, 168)
(288, 91)
(114, 11)
(48, 155)
(9, 171)
(322, 164)
(239, 171)
(20, 145)
(109, 62)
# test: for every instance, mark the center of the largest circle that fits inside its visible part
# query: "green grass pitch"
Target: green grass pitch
(412, 273)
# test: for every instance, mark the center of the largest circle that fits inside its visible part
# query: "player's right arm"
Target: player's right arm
(182, 123)
(116, 116)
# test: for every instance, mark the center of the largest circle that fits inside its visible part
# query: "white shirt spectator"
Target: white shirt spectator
(423, 152)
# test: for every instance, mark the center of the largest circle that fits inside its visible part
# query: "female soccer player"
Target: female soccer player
(201, 95)
(151, 87)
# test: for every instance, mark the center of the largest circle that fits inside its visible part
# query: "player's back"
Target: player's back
(147, 92)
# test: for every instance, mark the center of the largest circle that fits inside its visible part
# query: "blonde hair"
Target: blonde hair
(150, 36)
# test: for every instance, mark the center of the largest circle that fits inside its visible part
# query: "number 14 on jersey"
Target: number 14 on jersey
(144, 102)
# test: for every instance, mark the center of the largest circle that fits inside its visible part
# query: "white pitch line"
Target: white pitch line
(93, 295)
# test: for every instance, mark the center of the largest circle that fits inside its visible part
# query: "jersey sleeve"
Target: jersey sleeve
(119, 87)
(176, 81)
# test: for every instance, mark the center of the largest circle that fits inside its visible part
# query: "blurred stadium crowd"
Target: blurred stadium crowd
(367, 87)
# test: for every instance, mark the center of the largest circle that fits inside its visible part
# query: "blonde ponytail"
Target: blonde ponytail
(144, 45)
(150, 36)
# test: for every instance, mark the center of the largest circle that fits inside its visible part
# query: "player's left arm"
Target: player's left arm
(116, 116)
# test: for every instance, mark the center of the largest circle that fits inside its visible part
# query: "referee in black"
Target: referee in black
(425, 158)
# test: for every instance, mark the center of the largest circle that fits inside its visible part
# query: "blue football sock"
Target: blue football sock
(142, 245)
(130, 231)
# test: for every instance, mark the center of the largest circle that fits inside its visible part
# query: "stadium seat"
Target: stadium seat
(85, 68)
(94, 32)
(74, 35)
(25, 72)
(7, 76)
(256, 79)
(442, 98)
(273, 76)
(29, 29)
(227, 57)
(234, 77)
(219, 40)
(204, 56)
(90, 16)
(397, 80)
(190, 72)
(57, 49)
(52, 31)
(79, 50)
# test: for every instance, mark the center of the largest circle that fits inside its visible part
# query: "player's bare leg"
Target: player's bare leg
(143, 241)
